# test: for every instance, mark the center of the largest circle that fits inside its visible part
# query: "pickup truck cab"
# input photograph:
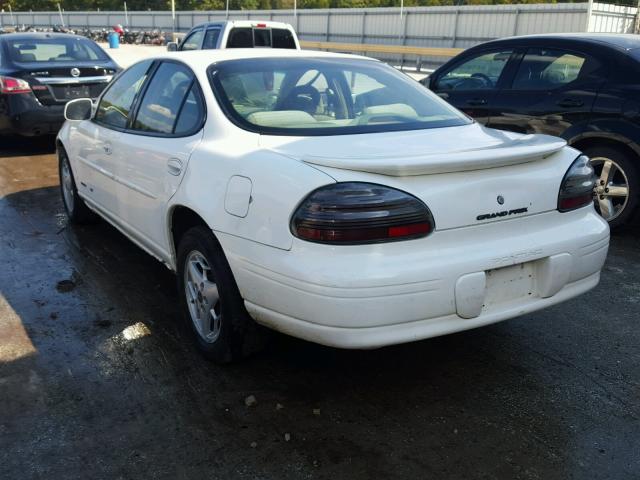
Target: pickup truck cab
(238, 34)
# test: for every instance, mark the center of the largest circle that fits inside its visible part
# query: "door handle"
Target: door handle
(570, 103)
(174, 167)
(477, 101)
(107, 148)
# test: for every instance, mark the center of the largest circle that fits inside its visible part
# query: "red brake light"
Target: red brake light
(577, 185)
(9, 85)
(357, 213)
(261, 25)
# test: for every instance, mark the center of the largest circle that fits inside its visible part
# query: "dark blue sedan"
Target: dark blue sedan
(41, 72)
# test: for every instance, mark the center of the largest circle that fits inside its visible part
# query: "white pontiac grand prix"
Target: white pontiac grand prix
(328, 197)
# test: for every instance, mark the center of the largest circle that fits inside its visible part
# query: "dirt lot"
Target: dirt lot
(98, 378)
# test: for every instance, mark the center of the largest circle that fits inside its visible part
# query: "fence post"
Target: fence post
(589, 12)
(455, 29)
(364, 27)
(515, 22)
(328, 24)
(404, 36)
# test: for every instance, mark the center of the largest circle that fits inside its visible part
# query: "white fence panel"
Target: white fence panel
(441, 26)
(612, 18)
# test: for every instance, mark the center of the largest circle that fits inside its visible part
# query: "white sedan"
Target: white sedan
(328, 197)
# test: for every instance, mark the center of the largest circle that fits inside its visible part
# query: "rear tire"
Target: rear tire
(211, 302)
(77, 211)
(617, 173)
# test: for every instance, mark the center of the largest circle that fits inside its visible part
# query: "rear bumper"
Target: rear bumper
(371, 296)
(24, 115)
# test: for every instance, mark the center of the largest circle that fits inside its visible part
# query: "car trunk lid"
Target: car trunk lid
(480, 176)
(423, 152)
(60, 83)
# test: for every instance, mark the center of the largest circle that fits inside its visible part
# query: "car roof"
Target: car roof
(38, 36)
(621, 41)
(245, 23)
(201, 59)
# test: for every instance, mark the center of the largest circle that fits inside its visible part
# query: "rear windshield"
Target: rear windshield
(247, 37)
(314, 96)
(54, 50)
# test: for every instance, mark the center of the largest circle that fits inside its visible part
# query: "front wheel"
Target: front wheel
(211, 302)
(617, 189)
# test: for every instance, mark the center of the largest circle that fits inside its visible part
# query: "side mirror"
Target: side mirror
(78, 109)
(172, 46)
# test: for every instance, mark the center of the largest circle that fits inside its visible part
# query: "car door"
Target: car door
(193, 41)
(155, 149)
(551, 90)
(96, 140)
(472, 83)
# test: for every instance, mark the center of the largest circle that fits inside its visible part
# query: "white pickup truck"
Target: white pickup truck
(238, 34)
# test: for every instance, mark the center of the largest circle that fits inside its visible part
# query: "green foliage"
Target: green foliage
(132, 5)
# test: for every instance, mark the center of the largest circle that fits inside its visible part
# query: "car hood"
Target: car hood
(418, 152)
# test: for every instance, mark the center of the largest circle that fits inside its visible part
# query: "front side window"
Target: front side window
(211, 39)
(546, 69)
(479, 73)
(193, 41)
(164, 99)
(311, 96)
(115, 104)
(58, 49)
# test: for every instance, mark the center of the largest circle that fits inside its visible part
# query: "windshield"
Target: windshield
(321, 96)
(59, 49)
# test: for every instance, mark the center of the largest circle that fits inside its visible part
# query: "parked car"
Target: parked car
(41, 72)
(581, 87)
(238, 34)
(329, 197)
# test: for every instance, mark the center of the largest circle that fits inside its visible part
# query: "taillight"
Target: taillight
(356, 213)
(577, 185)
(13, 85)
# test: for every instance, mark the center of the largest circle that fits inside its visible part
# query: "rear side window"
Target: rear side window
(193, 41)
(165, 99)
(211, 39)
(545, 69)
(282, 38)
(191, 113)
(240, 38)
(115, 104)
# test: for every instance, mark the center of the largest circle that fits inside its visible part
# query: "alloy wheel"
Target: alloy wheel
(203, 299)
(611, 193)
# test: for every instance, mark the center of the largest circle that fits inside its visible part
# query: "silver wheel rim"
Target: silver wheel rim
(202, 297)
(67, 185)
(612, 188)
